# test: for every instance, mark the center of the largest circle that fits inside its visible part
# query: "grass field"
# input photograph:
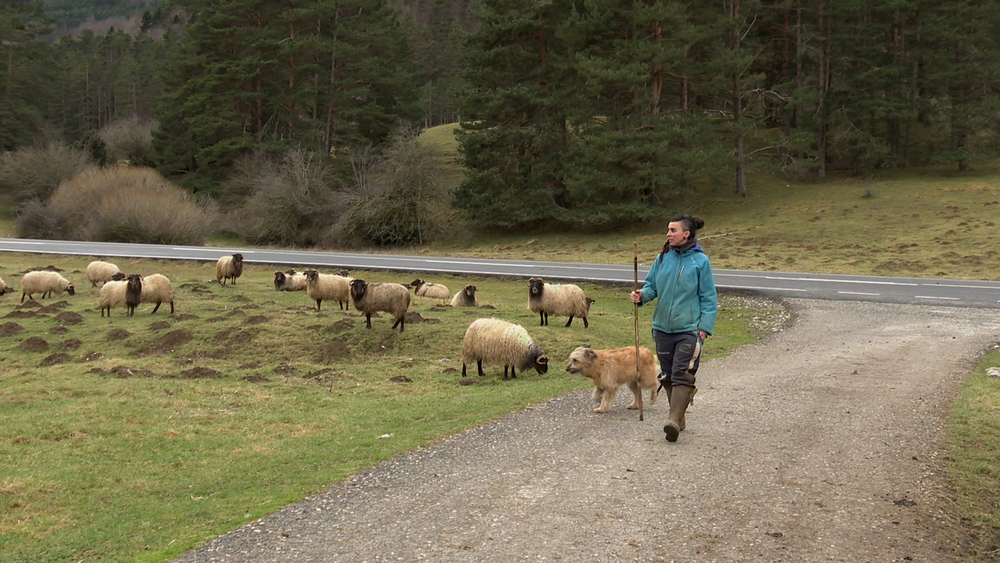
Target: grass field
(139, 438)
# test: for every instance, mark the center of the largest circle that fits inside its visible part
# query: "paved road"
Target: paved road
(957, 293)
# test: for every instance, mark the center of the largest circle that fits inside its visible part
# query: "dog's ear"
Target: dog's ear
(589, 355)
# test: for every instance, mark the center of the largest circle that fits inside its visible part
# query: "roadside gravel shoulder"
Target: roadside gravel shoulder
(823, 442)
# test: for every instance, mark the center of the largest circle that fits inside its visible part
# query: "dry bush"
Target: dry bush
(396, 200)
(124, 204)
(289, 200)
(35, 172)
(130, 140)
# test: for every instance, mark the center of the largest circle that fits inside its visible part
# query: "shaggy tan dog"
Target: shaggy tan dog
(612, 368)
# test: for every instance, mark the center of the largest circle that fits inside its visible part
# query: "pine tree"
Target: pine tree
(25, 60)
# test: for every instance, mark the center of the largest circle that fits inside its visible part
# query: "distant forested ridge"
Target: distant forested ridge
(584, 112)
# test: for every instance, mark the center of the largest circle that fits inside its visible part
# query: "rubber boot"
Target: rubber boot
(680, 398)
(683, 422)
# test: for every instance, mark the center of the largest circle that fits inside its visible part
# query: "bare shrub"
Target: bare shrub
(392, 202)
(124, 204)
(35, 172)
(130, 140)
(289, 201)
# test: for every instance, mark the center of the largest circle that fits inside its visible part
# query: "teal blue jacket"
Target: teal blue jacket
(683, 284)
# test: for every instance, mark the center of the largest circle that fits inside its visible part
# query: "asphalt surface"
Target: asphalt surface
(917, 291)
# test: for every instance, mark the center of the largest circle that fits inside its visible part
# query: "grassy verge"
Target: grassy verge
(974, 461)
(139, 438)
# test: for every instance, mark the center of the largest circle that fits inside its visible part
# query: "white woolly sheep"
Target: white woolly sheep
(501, 342)
(465, 298)
(101, 272)
(46, 283)
(112, 295)
(229, 268)
(559, 300)
(389, 297)
(289, 281)
(430, 290)
(4, 288)
(328, 287)
(156, 288)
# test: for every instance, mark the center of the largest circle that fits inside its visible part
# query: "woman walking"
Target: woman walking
(681, 281)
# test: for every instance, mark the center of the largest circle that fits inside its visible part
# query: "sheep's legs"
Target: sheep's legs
(570, 321)
(368, 320)
(399, 322)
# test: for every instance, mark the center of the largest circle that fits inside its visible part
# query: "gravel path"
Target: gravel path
(821, 443)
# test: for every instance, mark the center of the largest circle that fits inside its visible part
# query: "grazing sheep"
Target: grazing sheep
(119, 276)
(45, 283)
(289, 281)
(501, 342)
(157, 289)
(431, 290)
(328, 287)
(101, 272)
(4, 288)
(389, 297)
(133, 294)
(465, 298)
(611, 368)
(229, 268)
(565, 300)
(112, 295)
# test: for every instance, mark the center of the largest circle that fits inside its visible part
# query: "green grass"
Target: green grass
(140, 445)
(973, 468)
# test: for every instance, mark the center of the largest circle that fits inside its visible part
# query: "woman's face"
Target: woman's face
(676, 234)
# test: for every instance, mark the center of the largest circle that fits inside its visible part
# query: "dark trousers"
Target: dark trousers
(679, 353)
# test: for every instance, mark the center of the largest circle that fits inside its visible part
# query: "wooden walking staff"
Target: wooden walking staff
(635, 306)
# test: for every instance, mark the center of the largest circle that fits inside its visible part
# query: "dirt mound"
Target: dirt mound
(201, 373)
(255, 378)
(23, 314)
(57, 358)
(58, 329)
(256, 319)
(286, 370)
(335, 350)
(185, 317)
(93, 356)
(123, 372)
(242, 336)
(54, 307)
(173, 339)
(195, 287)
(118, 334)
(8, 329)
(34, 344)
(30, 304)
(343, 324)
(404, 379)
(159, 325)
(215, 320)
(414, 318)
(71, 344)
(69, 318)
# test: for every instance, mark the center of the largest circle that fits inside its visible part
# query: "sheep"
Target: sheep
(389, 297)
(98, 271)
(112, 295)
(133, 294)
(289, 281)
(465, 298)
(558, 300)
(501, 342)
(156, 288)
(4, 288)
(431, 290)
(229, 268)
(328, 287)
(44, 282)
